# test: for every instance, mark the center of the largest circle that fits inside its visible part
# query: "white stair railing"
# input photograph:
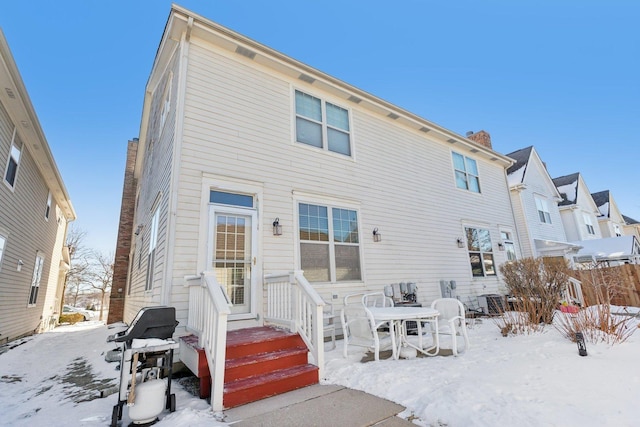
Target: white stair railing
(209, 309)
(294, 304)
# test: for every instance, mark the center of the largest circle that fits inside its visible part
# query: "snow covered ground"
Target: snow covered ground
(532, 380)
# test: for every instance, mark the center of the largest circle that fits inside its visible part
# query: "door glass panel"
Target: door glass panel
(232, 258)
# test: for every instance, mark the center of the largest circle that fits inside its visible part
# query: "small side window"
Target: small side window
(11, 171)
(47, 210)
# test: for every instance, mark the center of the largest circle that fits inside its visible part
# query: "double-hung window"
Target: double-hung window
(589, 224)
(153, 242)
(329, 243)
(480, 252)
(466, 171)
(322, 124)
(616, 230)
(11, 171)
(543, 210)
(35, 280)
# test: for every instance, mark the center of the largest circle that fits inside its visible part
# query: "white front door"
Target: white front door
(232, 250)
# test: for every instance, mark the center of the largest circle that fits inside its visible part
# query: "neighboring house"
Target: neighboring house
(578, 211)
(535, 200)
(610, 221)
(34, 212)
(631, 227)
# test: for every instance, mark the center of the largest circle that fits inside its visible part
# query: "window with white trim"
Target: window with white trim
(11, 171)
(509, 246)
(543, 210)
(616, 230)
(322, 124)
(329, 243)
(466, 172)
(3, 241)
(47, 209)
(589, 224)
(480, 252)
(35, 280)
(153, 242)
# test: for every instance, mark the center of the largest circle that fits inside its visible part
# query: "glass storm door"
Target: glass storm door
(232, 255)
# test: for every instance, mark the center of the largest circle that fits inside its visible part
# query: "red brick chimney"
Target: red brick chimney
(481, 137)
(125, 230)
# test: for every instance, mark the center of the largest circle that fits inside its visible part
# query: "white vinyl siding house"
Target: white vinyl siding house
(578, 210)
(330, 162)
(32, 254)
(540, 230)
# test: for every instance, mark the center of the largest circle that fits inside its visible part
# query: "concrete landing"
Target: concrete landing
(319, 406)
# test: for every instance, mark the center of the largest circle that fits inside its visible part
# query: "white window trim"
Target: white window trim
(541, 202)
(467, 173)
(509, 241)
(6, 168)
(330, 203)
(36, 278)
(3, 245)
(589, 224)
(493, 252)
(47, 210)
(324, 124)
(153, 244)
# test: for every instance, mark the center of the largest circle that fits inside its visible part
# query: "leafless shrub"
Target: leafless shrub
(596, 322)
(535, 288)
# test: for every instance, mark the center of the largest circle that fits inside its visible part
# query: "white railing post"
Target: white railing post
(293, 303)
(209, 308)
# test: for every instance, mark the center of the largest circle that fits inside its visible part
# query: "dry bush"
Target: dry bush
(596, 322)
(516, 323)
(535, 288)
(71, 318)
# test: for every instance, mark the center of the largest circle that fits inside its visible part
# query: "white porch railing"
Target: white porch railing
(209, 308)
(573, 291)
(291, 302)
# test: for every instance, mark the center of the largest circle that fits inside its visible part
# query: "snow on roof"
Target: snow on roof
(609, 247)
(604, 209)
(517, 176)
(569, 192)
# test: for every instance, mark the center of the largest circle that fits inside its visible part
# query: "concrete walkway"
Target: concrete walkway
(319, 406)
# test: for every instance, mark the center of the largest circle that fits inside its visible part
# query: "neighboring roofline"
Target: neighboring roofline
(25, 119)
(183, 20)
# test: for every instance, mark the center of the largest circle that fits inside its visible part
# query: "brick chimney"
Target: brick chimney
(481, 137)
(125, 230)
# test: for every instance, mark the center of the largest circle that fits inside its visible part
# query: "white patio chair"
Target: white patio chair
(360, 328)
(376, 299)
(451, 321)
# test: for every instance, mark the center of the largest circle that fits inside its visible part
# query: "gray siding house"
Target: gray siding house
(34, 212)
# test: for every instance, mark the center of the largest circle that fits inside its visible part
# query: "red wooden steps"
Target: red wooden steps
(261, 362)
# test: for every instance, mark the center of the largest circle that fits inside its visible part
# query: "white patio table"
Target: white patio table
(397, 318)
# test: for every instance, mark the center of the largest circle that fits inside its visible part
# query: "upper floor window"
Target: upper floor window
(322, 124)
(589, 224)
(47, 209)
(13, 162)
(480, 252)
(616, 230)
(329, 243)
(466, 170)
(509, 247)
(543, 210)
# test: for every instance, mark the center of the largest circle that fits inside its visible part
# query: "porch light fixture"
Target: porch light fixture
(277, 228)
(582, 348)
(460, 242)
(377, 237)
(138, 230)
(500, 246)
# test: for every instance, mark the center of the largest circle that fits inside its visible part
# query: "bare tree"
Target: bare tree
(78, 277)
(102, 276)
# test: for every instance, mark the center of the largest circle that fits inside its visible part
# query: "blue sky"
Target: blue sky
(561, 76)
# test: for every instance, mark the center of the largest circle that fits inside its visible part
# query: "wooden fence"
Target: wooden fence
(620, 285)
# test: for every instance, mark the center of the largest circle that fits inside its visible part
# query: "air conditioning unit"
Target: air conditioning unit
(492, 304)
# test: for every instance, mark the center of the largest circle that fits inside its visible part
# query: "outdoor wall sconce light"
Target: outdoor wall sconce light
(138, 230)
(460, 242)
(20, 264)
(277, 228)
(377, 237)
(582, 348)
(500, 246)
